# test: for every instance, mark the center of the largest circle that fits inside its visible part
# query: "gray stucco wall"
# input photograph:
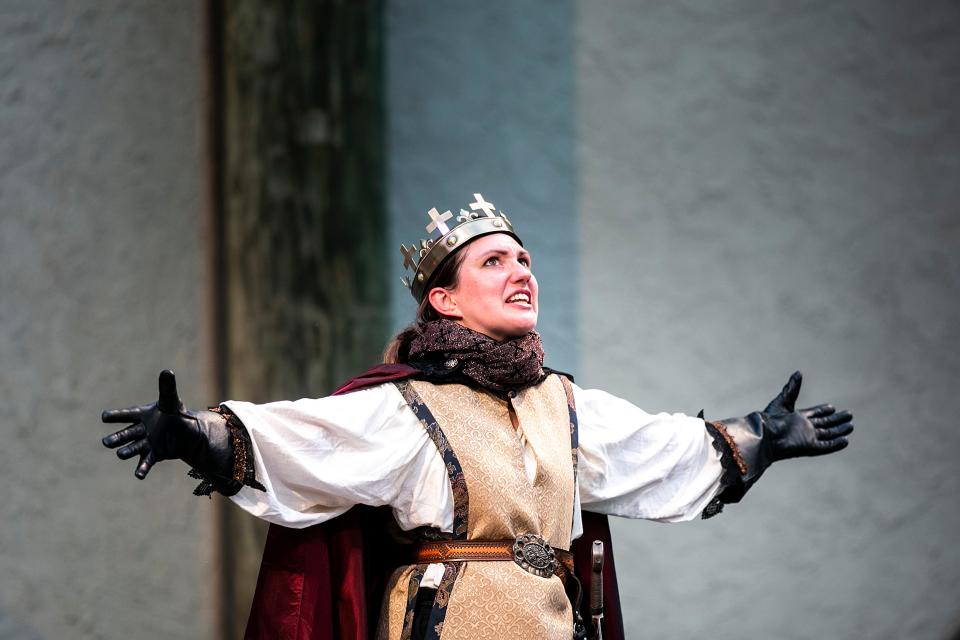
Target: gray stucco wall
(480, 99)
(102, 284)
(767, 187)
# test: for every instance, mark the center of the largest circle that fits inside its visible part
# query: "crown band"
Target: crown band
(423, 260)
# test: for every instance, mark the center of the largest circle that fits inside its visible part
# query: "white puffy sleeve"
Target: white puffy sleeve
(634, 464)
(319, 457)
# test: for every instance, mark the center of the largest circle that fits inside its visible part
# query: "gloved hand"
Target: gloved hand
(164, 430)
(779, 432)
(809, 432)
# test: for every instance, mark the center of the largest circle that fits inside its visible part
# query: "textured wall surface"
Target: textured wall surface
(480, 99)
(304, 219)
(102, 284)
(766, 187)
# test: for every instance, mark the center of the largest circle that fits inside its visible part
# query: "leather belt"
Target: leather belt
(529, 551)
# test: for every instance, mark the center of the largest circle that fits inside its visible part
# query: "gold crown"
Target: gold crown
(424, 257)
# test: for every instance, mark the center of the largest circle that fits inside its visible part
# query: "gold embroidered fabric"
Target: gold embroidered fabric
(500, 599)
(400, 590)
(494, 600)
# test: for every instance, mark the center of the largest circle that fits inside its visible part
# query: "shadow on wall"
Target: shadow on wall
(11, 629)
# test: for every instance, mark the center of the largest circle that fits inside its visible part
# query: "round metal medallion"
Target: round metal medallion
(535, 555)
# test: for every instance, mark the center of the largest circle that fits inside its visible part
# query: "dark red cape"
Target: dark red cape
(326, 582)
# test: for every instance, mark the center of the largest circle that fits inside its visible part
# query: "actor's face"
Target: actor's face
(496, 293)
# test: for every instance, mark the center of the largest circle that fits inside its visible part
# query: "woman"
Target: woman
(484, 456)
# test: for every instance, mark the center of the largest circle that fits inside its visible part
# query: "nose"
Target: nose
(521, 272)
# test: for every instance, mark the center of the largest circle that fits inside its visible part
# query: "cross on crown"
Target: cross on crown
(424, 257)
(438, 220)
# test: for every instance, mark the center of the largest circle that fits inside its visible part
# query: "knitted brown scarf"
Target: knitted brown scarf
(498, 366)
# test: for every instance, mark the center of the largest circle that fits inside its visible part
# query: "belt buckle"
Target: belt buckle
(535, 555)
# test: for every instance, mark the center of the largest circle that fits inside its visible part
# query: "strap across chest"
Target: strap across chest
(483, 448)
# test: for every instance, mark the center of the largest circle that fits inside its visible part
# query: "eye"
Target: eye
(525, 261)
(491, 261)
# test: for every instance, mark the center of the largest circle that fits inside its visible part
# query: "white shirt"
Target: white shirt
(319, 457)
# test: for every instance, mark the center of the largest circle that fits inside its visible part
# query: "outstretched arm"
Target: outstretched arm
(164, 430)
(310, 459)
(780, 432)
(665, 467)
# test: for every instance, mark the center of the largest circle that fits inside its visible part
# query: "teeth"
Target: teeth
(519, 297)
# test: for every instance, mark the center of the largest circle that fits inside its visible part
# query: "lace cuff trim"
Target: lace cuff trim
(244, 471)
(734, 468)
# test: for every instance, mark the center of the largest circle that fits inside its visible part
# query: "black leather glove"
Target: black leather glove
(164, 430)
(780, 432)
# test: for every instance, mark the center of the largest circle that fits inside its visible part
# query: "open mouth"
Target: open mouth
(520, 298)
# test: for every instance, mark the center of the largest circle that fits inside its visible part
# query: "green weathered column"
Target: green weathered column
(298, 91)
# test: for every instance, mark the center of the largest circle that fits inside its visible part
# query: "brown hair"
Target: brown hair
(447, 277)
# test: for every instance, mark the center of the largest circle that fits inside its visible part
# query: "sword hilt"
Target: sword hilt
(596, 589)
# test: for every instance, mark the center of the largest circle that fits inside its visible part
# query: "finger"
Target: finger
(146, 463)
(817, 411)
(124, 436)
(830, 446)
(787, 397)
(169, 401)
(130, 414)
(835, 432)
(791, 390)
(834, 419)
(137, 448)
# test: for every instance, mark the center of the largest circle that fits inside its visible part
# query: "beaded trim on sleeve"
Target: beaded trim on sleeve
(734, 468)
(244, 470)
(717, 428)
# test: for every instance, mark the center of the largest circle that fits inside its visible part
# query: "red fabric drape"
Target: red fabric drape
(310, 585)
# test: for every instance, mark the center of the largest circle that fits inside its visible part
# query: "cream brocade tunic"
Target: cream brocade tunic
(490, 599)
(448, 457)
